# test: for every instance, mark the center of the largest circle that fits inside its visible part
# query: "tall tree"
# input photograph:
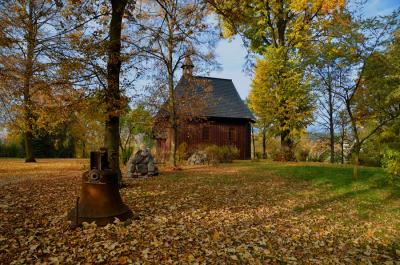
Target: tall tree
(368, 105)
(112, 95)
(169, 31)
(31, 39)
(283, 25)
(281, 94)
(324, 57)
(382, 77)
(101, 65)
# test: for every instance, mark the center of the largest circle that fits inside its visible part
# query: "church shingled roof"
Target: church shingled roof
(223, 100)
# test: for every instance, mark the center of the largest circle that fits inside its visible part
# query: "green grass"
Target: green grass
(371, 194)
(324, 187)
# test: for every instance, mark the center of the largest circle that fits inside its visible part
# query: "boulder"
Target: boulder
(198, 158)
(142, 164)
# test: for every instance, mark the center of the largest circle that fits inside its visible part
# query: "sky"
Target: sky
(231, 54)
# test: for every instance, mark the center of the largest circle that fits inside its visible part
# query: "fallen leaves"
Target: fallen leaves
(207, 216)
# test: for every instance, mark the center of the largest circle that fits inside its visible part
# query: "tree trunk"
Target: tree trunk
(29, 157)
(342, 144)
(357, 145)
(83, 149)
(173, 124)
(172, 103)
(174, 138)
(287, 146)
(28, 128)
(253, 139)
(356, 161)
(331, 126)
(113, 94)
(264, 144)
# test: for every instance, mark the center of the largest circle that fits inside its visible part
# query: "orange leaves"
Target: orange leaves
(232, 214)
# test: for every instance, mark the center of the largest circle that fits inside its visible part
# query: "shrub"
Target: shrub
(228, 154)
(391, 163)
(278, 155)
(371, 154)
(282, 156)
(212, 153)
(221, 154)
(302, 154)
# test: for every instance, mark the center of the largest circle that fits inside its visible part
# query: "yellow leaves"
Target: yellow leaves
(300, 5)
(55, 260)
(227, 30)
(156, 243)
(216, 236)
(145, 253)
(313, 5)
(191, 258)
(33, 247)
(236, 214)
(280, 92)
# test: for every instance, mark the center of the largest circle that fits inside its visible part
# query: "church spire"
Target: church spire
(187, 66)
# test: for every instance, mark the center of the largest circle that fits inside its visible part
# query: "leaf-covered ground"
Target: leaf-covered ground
(241, 213)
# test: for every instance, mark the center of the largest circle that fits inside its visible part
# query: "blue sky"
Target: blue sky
(231, 54)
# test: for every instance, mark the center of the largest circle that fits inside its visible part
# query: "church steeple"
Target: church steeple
(187, 66)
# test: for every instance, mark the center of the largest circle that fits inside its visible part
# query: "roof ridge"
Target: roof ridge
(209, 77)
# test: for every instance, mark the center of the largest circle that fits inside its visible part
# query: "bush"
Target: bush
(258, 155)
(278, 155)
(282, 156)
(221, 154)
(11, 150)
(371, 154)
(302, 154)
(391, 163)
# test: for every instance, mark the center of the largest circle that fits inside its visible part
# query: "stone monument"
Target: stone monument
(141, 163)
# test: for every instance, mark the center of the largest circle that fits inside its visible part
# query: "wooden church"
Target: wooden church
(221, 119)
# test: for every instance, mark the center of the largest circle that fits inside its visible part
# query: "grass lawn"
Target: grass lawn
(240, 213)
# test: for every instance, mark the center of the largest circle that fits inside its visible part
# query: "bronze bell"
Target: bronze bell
(100, 200)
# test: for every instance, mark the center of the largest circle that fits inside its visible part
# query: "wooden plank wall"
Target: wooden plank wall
(218, 135)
